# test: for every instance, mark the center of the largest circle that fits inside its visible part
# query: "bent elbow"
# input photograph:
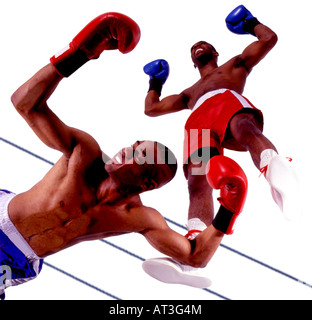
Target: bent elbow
(271, 40)
(198, 263)
(147, 113)
(274, 39)
(150, 113)
(17, 101)
(21, 101)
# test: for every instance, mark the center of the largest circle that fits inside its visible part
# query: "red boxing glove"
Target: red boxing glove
(225, 174)
(109, 31)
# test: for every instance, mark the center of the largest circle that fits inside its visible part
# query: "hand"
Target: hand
(158, 71)
(241, 21)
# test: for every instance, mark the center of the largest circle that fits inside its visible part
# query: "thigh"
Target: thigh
(200, 193)
(242, 125)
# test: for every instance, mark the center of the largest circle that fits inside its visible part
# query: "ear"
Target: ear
(149, 185)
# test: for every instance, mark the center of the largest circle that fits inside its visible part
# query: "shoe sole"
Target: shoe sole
(166, 271)
(285, 187)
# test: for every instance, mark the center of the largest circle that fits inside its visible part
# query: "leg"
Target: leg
(278, 171)
(245, 130)
(200, 193)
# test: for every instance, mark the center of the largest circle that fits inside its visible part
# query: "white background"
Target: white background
(106, 99)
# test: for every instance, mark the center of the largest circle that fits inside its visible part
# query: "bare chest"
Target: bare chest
(221, 78)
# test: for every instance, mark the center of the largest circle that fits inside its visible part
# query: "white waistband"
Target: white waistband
(7, 227)
(208, 95)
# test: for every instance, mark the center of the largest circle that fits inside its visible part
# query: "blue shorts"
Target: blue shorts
(18, 262)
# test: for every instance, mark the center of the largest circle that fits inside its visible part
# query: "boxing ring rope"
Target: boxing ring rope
(142, 259)
(252, 259)
(80, 280)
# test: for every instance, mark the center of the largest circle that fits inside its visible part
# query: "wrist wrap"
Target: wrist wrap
(71, 63)
(249, 26)
(223, 220)
(156, 84)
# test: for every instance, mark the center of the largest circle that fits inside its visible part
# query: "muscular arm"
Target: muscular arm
(256, 51)
(30, 100)
(155, 107)
(196, 253)
(108, 220)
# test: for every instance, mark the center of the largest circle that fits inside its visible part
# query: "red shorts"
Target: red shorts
(207, 125)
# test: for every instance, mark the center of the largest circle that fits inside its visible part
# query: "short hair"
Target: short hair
(169, 158)
(213, 48)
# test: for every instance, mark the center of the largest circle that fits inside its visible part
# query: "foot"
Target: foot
(284, 186)
(168, 270)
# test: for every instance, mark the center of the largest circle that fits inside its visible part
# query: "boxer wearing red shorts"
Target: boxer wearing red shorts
(207, 126)
(222, 118)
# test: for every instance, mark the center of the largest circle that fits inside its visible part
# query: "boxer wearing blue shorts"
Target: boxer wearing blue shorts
(87, 195)
(18, 262)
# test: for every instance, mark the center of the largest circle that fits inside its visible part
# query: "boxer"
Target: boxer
(221, 117)
(86, 195)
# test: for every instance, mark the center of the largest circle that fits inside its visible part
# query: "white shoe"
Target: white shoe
(284, 187)
(171, 271)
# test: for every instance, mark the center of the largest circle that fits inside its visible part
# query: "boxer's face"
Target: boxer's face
(202, 53)
(140, 167)
(139, 153)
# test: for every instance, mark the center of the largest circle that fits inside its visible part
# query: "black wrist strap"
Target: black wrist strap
(223, 219)
(156, 84)
(72, 63)
(249, 26)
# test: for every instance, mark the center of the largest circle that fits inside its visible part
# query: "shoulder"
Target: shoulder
(148, 218)
(85, 142)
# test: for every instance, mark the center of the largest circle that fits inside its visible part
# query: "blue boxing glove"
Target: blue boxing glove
(158, 71)
(241, 21)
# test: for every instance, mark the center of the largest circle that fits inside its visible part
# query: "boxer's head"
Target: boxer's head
(144, 166)
(202, 53)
